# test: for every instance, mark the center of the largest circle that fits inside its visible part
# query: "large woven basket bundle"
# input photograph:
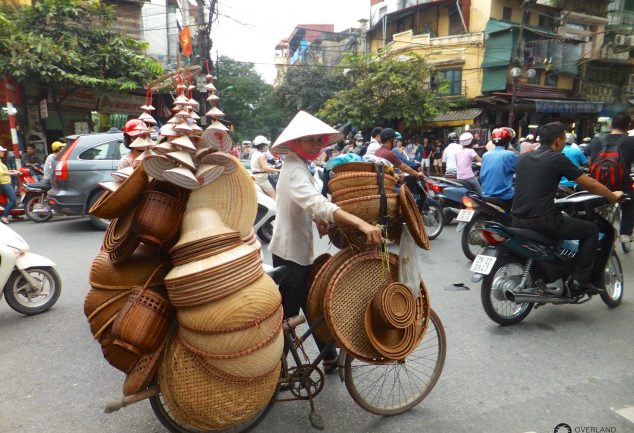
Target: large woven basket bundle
(203, 400)
(114, 204)
(359, 179)
(134, 272)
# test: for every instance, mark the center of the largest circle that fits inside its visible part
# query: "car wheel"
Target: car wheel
(99, 223)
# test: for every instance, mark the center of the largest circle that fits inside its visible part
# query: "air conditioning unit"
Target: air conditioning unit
(620, 40)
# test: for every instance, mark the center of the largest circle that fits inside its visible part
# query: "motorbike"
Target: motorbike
(25, 178)
(265, 217)
(35, 202)
(30, 283)
(521, 268)
(471, 219)
(449, 193)
(429, 208)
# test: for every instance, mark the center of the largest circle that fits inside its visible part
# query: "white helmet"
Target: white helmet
(260, 139)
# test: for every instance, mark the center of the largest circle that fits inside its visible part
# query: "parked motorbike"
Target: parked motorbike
(521, 268)
(429, 208)
(30, 282)
(25, 178)
(265, 217)
(471, 220)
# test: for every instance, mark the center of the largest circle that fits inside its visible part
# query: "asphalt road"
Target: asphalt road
(569, 364)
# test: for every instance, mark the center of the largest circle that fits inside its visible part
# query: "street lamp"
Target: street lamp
(516, 73)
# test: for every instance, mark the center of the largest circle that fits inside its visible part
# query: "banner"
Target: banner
(185, 39)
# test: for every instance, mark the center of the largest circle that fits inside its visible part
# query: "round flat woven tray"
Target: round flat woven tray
(350, 193)
(315, 300)
(394, 344)
(204, 401)
(413, 218)
(134, 272)
(363, 167)
(350, 290)
(353, 180)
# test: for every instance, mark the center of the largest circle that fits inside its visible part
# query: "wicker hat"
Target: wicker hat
(304, 125)
(201, 224)
(217, 138)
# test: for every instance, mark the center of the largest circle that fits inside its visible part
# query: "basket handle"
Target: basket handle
(383, 218)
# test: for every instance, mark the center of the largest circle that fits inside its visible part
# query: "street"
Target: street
(567, 364)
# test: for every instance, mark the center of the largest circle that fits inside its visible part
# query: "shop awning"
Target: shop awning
(456, 118)
(558, 106)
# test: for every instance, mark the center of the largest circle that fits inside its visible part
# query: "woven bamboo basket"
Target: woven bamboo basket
(394, 344)
(158, 218)
(124, 250)
(134, 272)
(367, 208)
(357, 192)
(142, 324)
(204, 401)
(103, 316)
(412, 217)
(236, 311)
(354, 167)
(143, 372)
(114, 204)
(355, 180)
(394, 306)
(97, 297)
(122, 360)
(233, 342)
(119, 231)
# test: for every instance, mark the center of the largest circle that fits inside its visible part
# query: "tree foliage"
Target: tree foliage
(308, 87)
(247, 100)
(68, 43)
(387, 90)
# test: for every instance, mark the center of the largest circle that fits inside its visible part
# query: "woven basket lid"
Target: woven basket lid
(182, 177)
(220, 158)
(201, 224)
(244, 308)
(233, 196)
(134, 272)
(413, 218)
(193, 393)
(209, 173)
(210, 263)
(393, 344)
(351, 289)
(183, 158)
(217, 139)
(113, 204)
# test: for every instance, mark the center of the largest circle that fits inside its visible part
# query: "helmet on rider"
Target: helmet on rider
(387, 134)
(259, 141)
(453, 137)
(502, 136)
(56, 146)
(132, 129)
(466, 139)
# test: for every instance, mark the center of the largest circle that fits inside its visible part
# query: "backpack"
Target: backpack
(363, 149)
(609, 166)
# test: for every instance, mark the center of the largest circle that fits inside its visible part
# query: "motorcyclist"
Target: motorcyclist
(132, 129)
(498, 168)
(56, 147)
(385, 152)
(449, 155)
(537, 176)
(32, 161)
(260, 168)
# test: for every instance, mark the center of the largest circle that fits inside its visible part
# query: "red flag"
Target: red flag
(185, 38)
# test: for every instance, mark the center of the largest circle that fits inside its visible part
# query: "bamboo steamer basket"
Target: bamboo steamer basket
(368, 208)
(203, 400)
(232, 342)
(113, 204)
(158, 218)
(134, 272)
(354, 180)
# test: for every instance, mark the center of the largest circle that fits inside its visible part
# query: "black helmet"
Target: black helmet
(388, 134)
(453, 137)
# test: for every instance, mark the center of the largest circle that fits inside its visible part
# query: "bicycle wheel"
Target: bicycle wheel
(170, 422)
(396, 387)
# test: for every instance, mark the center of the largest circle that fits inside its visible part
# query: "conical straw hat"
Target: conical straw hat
(209, 173)
(210, 263)
(184, 142)
(145, 154)
(181, 100)
(210, 87)
(201, 224)
(147, 108)
(155, 165)
(213, 97)
(220, 158)
(174, 120)
(196, 130)
(201, 152)
(194, 116)
(184, 127)
(122, 174)
(182, 114)
(218, 125)
(141, 143)
(304, 125)
(217, 139)
(168, 130)
(165, 147)
(194, 103)
(147, 118)
(183, 158)
(215, 112)
(110, 186)
(182, 177)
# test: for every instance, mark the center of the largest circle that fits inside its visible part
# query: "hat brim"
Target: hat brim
(304, 125)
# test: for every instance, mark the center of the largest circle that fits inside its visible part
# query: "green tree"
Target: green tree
(247, 100)
(387, 90)
(308, 87)
(66, 45)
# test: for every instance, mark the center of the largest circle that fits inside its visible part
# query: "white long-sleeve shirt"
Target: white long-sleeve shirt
(449, 156)
(298, 202)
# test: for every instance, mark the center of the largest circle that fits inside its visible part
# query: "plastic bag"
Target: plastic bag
(410, 263)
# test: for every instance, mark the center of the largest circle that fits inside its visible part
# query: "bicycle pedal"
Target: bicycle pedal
(316, 421)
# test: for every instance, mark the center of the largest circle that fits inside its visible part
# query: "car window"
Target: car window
(123, 151)
(96, 153)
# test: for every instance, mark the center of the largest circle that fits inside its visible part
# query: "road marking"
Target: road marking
(627, 412)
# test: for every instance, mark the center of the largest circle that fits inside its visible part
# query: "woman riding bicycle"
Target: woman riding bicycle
(299, 204)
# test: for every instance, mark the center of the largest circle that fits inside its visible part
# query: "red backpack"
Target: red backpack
(609, 166)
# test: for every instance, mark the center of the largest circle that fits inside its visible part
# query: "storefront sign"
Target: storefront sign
(43, 109)
(107, 103)
(555, 106)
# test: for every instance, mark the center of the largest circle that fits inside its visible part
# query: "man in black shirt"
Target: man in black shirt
(620, 125)
(536, 179)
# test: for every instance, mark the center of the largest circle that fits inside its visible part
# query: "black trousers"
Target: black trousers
(627, 215)
(570, 228)
(294, 290)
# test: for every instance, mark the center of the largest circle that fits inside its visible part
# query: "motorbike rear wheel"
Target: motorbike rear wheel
(265, 233)
(505, 275)
(613, 282)
(471, 241)
(433, 219)
(25, 299)
(37, 210)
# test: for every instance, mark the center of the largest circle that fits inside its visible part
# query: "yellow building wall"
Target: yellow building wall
(480, 15)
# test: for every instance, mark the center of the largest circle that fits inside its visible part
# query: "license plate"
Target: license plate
(465, 215)
(483, 264)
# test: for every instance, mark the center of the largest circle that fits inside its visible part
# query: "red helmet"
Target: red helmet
(504, 133)
(134, 127)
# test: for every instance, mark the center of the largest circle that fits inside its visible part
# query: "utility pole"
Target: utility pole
(518, 60)
(204, 30)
